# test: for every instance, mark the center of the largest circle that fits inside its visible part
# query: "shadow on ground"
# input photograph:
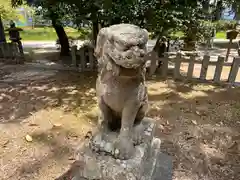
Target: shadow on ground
(197, 123)
(71, 91)
(54, 111)
(38, 54)
(199, 126)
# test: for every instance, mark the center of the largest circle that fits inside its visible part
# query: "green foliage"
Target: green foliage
(205, 30)
(6, 10)
(221, 35)
(49, 34)
(191, 19)
(224, 25)
(160, 17)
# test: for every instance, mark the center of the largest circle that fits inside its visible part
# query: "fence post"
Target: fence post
(91, 58)
(82, 58)
(218, 70)
(1, 50)
(177, 66)
(152, 57)
(164, 66)
(12, 50)
(190, 67)
(74, 55)
(234, 70)
(204, 67)
(5, 50)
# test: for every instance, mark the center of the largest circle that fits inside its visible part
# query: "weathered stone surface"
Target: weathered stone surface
(141, 166)
(120, 87)
(163, 168)
(104, 142)
(132, 153)
(148, 162)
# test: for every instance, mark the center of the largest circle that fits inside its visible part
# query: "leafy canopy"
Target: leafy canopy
(7, 12)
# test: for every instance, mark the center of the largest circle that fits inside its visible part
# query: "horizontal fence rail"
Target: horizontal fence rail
(205, 63)
(85, 61)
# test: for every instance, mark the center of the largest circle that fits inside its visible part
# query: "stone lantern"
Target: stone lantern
(231, 35)
(14, 35)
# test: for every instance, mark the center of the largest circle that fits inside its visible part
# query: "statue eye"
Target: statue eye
(119, 46)
(127, 47)
(141, 46)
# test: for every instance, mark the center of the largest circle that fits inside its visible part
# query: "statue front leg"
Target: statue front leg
(105, 115)
(124, 148)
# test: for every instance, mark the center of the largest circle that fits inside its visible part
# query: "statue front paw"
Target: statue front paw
(138, 135)
(96, 141)
(124, 149)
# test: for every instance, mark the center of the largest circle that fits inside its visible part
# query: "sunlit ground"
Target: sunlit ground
(197, 123)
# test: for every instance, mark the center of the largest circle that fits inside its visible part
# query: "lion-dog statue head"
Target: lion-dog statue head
(121, 49)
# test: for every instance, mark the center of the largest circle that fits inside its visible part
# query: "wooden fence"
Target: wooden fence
(84, 58)
(205, 63)
(9, 53)
(85, 61)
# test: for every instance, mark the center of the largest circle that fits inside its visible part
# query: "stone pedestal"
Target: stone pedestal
(102, 166)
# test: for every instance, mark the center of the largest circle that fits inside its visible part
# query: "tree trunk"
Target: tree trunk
(190, 38)
(156, 46)
(95, 31)
(62, 36)
(236, 9)
(168, 45)
(218, 10)
(189, 45)
(206, 5)
(153, 56)
(2, 34)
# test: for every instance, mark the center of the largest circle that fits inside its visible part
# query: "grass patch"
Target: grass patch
(221, 35)
(179, 34)
(49, 34)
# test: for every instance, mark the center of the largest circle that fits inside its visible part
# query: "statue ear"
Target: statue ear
(101, 39)
(111, 39)
(145, 31)
(115, 69)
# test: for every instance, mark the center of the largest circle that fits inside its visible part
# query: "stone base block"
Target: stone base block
(103, 142)
(144, 165)
(101, 167)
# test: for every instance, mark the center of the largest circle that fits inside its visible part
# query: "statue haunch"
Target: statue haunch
(121, 90)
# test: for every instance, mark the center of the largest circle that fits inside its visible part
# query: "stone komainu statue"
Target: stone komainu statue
(120, 87)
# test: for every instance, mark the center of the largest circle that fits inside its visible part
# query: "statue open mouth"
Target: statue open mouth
(129, 72)
(126, 69)
(128, 59)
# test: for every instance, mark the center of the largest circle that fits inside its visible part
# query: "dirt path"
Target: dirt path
(198, 124)
(55, 111)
